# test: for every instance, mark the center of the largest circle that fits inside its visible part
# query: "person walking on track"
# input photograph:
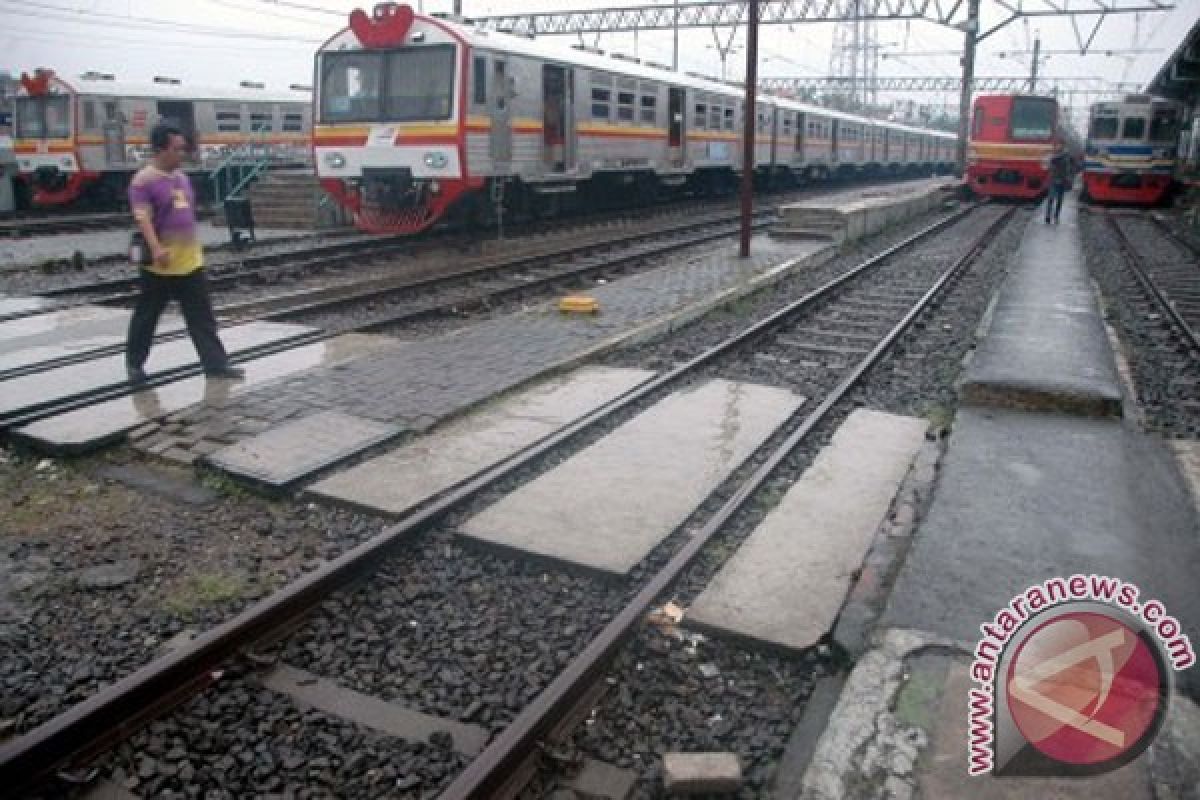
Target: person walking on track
(1060, 181)
(163, 205)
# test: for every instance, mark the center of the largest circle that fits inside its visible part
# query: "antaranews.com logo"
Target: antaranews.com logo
(1074, 677)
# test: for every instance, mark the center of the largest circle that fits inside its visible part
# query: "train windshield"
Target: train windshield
(1103, 128)
(47, 117)
(1032, 118)
(416, 83)
(1164, 127)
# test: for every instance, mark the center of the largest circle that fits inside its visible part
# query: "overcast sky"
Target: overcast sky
(220, 42)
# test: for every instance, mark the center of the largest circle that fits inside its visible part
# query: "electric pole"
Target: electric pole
(750, 129)
(968, 78)
(1033, 69)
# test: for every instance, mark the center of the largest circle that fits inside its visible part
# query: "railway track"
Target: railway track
(831, 337)
(25, 227)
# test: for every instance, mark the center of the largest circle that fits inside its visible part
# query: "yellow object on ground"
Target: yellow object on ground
(578, 304)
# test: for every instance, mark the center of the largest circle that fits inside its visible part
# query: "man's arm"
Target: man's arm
(143, 216)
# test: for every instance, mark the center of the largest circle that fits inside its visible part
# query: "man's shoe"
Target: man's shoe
(136, 374)
(227, 371)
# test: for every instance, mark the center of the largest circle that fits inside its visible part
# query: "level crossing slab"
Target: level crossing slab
(607, 507)
(396, 482)
(279, 457)
(94, 426)
(11, 304)
(786, 584)
(37, 339)
(61, 383)
(1046, 346)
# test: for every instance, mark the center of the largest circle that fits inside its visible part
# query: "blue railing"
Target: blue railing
(240, 167)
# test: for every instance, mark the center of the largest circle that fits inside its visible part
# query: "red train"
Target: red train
(1011, 139)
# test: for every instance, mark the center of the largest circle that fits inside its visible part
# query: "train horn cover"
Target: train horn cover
(39, 84)
(386, 27)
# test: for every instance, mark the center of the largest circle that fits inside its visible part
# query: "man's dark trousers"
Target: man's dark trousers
(1054, 201)
(192, 293)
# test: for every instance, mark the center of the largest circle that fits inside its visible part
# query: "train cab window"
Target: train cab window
(58, 117)
(1103, 128)
(701, 118)
(649, 109)
(714, 117)
(1164, 126)
(479, 81)
(351, 87)
(229, 119)
(419, 83)
(625, 106)
(1134, 128)
(1032, 118)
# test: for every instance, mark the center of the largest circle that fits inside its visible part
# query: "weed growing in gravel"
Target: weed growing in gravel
(940, 416)
(204, 591)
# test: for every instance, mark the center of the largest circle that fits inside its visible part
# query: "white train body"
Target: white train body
(415, 115)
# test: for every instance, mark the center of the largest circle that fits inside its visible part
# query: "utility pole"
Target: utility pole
(675, 47)
(968, 78)
(1033, 69)
(750, 128)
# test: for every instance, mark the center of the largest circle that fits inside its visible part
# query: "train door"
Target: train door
(501, 142)
(181, 114)
(113, 129)
(556, 111)
(676, 126)
(801, 124)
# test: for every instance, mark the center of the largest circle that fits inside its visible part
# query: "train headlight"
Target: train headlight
(335, 160)
(435, 187)
(65, 161)
(436, 160)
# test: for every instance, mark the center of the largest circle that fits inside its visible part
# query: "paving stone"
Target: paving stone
(786, 583)
(701, 773)
(179, 455)
(394, 482)
(283, 455)
(600, 781)
(606, 507)
(156, 481)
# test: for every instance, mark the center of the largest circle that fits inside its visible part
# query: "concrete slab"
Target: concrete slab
(395, 482)
(786, 583)
(38, 389)
(10, 305)
(283, 455)
(1046, 347)
(309, 690)
(89, 428)
(609, 505)
(71, 332)
(1023, 497)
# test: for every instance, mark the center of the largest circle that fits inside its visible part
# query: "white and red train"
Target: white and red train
(419, 116)
(1131, 150)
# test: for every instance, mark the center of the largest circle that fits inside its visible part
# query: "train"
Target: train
(1011, 139)
(83, 139)
(420, 117)
(1130, 156)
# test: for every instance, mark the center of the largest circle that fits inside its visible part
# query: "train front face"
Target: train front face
(1012, 137)
(44, 140)
(388, 138)
(1130, 155)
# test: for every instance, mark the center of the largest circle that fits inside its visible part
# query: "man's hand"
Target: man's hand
(161, 256)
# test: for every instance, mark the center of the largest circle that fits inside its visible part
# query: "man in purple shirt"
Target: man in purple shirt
(163, 204)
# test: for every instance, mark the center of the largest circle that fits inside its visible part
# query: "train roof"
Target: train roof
(179, 91)
(627, 67)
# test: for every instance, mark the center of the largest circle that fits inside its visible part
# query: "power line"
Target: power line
(59, 36)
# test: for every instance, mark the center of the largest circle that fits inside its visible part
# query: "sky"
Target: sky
(222, 42)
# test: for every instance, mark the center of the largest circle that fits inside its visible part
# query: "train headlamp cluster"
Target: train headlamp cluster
(335, 160)
(436, 160)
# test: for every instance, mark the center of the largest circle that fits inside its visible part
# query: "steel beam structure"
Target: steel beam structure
(723, 13)
(1006, 83)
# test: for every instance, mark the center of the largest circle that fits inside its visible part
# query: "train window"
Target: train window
(1134, 128)
(649, 112)
(262, 120)
(714, 118)
(229, 119)
(600, 103)
(977, 122)
(701, 115)
(1103, 128)
(1164, 127)
(729, 119)
(1032, 118)
(110, 112)
(89, 115)
(479, 79)
(293, 122)
(419, 83)
(625, 104)
(350, 86)
(28, 121)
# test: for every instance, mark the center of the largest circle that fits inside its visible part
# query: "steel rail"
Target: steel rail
(116, 711)
(1138, 266)
(489, 771)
